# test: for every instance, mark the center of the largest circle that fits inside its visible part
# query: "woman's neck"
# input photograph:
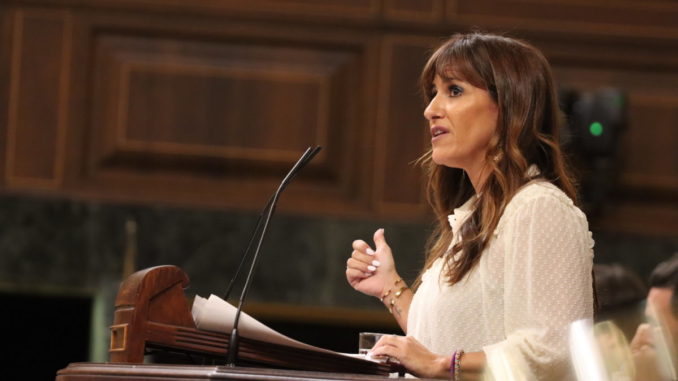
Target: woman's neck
(478, 174)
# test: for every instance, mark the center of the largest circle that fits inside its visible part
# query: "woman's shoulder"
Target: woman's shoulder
(539, 189)
(543, 206)
(540, 196)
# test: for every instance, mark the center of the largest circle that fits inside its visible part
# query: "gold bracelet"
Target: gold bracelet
(387, 293)
(396, 295)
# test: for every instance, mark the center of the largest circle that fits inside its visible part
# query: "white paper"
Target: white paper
(215, 314)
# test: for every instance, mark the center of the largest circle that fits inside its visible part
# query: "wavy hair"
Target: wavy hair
(519, 80)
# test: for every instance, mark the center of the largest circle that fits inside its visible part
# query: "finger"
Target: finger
(367, 259)
(366, 268)
(644, 332)
(383, 351)
(380, 239)
(642, 337)
(371, 262)
(354, 275)
(360, 245)
(388, 340)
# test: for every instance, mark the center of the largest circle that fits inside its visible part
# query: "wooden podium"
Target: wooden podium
(156, 372)
(153, 314)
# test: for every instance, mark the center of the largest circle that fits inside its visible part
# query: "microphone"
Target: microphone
(268, 211)
(305, 158)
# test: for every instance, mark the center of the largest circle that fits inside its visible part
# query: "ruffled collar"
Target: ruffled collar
(460, 214)
(457, 219)
(532, 171)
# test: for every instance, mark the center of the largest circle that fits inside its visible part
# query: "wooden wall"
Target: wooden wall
(208, 102)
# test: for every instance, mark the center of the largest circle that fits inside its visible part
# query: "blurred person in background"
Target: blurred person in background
(621, 297)
(655, 342)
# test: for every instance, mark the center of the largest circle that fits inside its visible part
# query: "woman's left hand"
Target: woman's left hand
(412, 355)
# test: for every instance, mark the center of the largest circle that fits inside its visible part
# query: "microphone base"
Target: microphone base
(232, 353)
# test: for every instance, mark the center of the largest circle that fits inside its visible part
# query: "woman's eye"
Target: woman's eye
(455, 91)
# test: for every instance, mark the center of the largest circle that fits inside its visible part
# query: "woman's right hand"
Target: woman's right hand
(371, 271)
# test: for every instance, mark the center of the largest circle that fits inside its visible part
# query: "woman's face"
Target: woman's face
(462, 119)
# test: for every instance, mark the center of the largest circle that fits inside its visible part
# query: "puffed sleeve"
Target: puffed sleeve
(547, 286)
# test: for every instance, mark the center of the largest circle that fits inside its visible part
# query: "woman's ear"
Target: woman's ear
(492, 89)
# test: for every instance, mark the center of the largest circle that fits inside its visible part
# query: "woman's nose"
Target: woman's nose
(432, 111)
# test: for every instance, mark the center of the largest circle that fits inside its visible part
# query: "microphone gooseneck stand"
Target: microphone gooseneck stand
(305, 158)
(268, 210)
(247, 250)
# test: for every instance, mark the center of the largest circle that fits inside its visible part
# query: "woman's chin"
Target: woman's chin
(443, 160)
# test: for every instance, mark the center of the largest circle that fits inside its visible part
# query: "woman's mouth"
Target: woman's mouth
(436, 131)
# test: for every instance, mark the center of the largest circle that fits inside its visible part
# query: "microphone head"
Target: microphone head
(311, 155)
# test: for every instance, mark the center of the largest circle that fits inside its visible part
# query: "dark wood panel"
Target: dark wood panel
(38, 91)
(640, 217)
(614, 17)
(608, 53)
(643, 199)
(229, 101)
(402, 132)
(649, 145)
(428, 11)
(5, 67)
(633, 19)
(237, 113)
(647, 157)
(207, 102)
(344, 10)
(229, 117)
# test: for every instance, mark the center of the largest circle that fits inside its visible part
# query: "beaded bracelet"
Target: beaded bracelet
(457, 364)
(452, 360)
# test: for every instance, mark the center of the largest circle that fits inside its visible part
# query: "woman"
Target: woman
(509, 265)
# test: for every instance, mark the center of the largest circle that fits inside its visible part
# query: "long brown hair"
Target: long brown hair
(519, 80)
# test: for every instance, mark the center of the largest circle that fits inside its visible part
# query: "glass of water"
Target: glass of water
(366, 341)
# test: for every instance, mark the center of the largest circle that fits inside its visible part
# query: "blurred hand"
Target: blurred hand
(644, 354)
(369, 271)
(642, 337)
(416, 358)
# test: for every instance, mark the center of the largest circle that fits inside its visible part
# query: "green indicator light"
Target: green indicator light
(596, 129)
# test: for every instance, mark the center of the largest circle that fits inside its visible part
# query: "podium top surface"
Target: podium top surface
(157, 372)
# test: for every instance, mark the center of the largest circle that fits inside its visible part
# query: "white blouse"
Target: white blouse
(532, 281)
